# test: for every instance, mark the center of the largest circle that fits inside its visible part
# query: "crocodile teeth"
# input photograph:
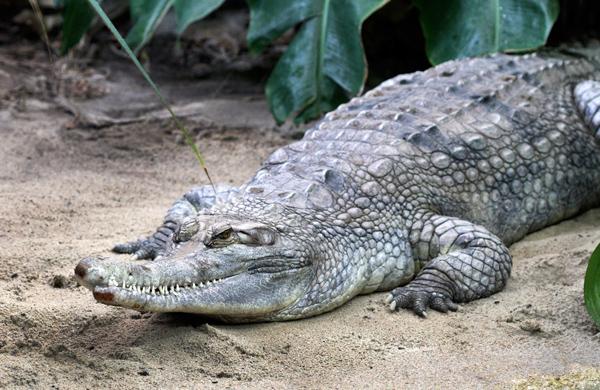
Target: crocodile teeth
(164, 289)
(124, 285)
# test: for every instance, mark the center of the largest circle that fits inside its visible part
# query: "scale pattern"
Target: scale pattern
(419, 185)
(495, 147)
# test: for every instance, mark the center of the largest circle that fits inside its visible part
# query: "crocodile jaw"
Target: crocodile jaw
(200, 284)
(234, 298)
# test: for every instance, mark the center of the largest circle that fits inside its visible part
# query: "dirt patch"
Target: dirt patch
(68, 191)
(585, 379)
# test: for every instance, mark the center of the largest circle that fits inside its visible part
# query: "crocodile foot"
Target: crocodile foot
(419, 298)
(150, 247)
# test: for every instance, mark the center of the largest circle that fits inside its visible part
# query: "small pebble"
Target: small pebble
(531, 326)
(59, 281)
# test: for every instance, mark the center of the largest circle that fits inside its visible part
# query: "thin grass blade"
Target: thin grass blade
(180, 126)
(40, 17)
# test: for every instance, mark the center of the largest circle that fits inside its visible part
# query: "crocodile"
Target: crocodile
(417, 187)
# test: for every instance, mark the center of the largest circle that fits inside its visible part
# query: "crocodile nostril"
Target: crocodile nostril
(81, 270)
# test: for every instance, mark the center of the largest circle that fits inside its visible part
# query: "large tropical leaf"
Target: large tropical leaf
(464, 28)
(146, 15)
(189, 11)
(324, 64)
(591, 286)
(77, 17)
(270, 19)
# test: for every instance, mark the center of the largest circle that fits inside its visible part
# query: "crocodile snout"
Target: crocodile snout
(89, 273)
(81, 270)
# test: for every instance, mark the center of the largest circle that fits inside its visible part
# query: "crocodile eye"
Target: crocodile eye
(226, 235)
(223, 238)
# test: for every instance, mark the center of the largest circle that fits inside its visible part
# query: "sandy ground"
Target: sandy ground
(69, 191)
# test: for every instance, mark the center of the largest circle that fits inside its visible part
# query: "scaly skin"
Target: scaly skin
(416, 187)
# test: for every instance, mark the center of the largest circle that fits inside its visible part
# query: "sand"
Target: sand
(68, 191)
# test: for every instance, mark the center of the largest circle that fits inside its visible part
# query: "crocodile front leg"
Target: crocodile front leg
(468, 262)
(185, 207)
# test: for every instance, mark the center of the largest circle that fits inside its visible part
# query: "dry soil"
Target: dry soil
(68, 190)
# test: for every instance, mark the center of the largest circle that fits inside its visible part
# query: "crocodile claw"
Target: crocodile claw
(162, 241)
(419, 299)
(146, 248)
(153, 246)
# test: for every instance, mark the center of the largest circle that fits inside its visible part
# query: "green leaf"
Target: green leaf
(136, 9)
(464, 28)
(189, 11)
(591, 286)
(269, 19)
(146, 15)
(324, 64)
(77, 18)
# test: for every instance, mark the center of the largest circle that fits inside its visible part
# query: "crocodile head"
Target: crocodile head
(234, 268)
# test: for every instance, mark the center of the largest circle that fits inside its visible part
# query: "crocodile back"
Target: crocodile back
(496, 140)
